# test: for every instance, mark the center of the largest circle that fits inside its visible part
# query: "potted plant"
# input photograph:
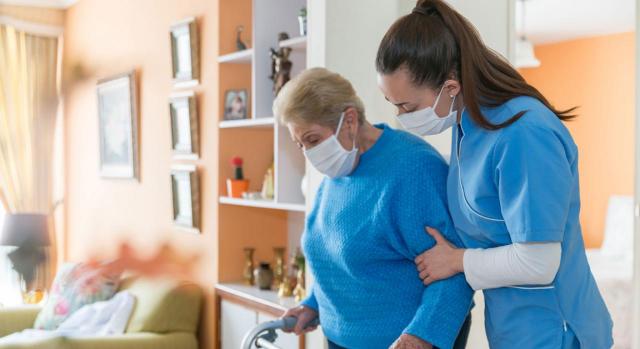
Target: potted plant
(238, 184)
(302, 21)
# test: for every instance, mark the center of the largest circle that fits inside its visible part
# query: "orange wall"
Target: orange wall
(596, 74)
(106, 38)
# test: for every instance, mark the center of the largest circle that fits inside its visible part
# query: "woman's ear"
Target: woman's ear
(452, 87)
(351, 117)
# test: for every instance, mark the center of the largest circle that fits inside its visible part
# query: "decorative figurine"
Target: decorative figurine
(302, 20)
(247, 274)
(264, 276)
(240, 45)
(238, 185)
(267, 185)
(278, 270)
(280, 65)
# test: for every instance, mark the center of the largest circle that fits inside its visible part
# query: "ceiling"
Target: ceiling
(546, 20)
(558, 20)
(40, 3)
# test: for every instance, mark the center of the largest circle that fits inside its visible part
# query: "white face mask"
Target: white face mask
(330, 158)
(425, 122)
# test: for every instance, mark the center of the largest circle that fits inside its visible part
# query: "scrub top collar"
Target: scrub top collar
(466, 123)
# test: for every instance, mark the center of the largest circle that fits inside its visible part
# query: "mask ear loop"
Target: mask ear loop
(339, 124)
(338, 131)
(435, 104)
(453, 102)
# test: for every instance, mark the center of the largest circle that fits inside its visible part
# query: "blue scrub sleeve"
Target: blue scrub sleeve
(421, 202)
(535, 182)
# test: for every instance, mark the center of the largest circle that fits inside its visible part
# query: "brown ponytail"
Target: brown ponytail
(435, 42)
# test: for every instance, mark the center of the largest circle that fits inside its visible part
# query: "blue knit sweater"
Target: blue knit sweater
(361, 238)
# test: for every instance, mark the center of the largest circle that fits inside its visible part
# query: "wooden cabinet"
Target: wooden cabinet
(242, 308)
(235, 321)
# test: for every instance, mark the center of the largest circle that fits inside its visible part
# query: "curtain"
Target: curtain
(28, 110)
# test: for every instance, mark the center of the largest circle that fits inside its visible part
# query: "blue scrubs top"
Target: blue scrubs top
(520, 184)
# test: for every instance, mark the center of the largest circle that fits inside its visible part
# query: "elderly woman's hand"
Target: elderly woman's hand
(442, 261)
(407, 341)
(304, 315)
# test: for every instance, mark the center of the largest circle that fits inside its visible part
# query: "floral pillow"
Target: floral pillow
(75, 285)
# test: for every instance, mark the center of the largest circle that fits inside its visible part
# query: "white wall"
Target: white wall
(636, 242)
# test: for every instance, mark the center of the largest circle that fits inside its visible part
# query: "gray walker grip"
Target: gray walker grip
(265, 334)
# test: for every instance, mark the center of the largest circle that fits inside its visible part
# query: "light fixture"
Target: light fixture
(30, 234)
(525, 55)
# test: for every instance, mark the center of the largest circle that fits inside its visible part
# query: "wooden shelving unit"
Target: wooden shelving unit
(257, 122)
(297, 43)
(245, 57)
(261, 142)
(262, 204)
(268, 300)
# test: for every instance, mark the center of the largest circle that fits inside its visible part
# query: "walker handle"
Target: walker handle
(288, 323)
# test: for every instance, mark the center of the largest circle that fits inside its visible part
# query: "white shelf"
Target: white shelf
(244, 56)
(253, 122)
(253, 293)
(299, 43)
(262, 204)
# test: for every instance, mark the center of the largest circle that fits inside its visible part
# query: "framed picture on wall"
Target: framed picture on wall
(185, 53)
(185, 191)
(184, 125)
(118, 126)
(235, 104)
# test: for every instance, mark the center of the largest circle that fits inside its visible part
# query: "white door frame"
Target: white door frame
(636, 239)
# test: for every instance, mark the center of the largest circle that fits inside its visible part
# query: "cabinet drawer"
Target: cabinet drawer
(235, 321)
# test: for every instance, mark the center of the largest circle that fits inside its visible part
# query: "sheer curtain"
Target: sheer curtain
(29, 85)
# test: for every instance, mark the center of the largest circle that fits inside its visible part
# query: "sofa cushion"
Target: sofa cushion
(75, 285)
(163, 306)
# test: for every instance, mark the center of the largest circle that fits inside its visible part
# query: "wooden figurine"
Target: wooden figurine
(280, 65)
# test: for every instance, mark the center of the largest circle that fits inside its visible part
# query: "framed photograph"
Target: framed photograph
(118, 126)
(185, 53)
(186, 197)
(235, 104)
(184, 125)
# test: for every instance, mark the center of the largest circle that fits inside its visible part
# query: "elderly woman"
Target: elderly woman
(382, 187)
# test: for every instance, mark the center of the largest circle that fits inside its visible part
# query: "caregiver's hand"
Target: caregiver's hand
(442, 261)
(407, 341)
(304, 315)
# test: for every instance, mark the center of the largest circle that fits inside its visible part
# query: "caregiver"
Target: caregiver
(512, 184)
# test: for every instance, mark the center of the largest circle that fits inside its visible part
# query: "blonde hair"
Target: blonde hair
(316, 96)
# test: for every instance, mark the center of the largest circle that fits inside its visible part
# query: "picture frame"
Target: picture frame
(118, 126)
(185, 53)
(236, 104)
(183, 116)
(185, 189)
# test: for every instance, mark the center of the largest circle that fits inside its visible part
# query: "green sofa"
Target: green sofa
(165, 316)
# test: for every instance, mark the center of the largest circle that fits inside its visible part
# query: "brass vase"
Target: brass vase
(278, 270)
(247, 273)
(299, 292)
(285, 289)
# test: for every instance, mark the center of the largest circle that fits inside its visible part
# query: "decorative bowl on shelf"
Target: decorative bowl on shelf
(236, 187)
